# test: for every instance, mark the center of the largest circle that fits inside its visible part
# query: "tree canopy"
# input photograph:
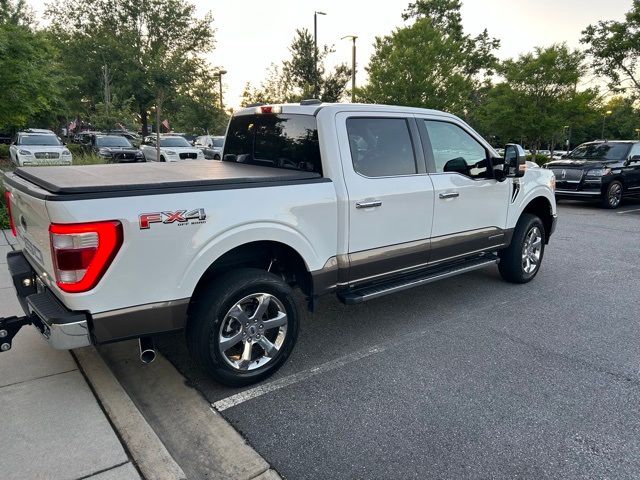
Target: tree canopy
(430, 62)
(614, 48)
(298, 78)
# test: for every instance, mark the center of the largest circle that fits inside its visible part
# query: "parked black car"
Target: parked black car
(605, 170)
(115, 149)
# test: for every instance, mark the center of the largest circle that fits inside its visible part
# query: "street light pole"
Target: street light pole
(604, 118)
(353, 67)
(219, 75)
(315, 52)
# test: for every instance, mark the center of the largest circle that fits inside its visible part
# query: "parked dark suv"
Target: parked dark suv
(605, 170)
(115, 149)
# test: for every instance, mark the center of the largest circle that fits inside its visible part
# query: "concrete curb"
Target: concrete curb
(205, 444)
(147, 450)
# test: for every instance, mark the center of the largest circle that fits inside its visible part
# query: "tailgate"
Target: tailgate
(32, 225)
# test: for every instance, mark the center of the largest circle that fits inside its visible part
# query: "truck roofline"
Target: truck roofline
(296, 108)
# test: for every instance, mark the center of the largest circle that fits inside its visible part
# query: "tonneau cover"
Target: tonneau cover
(150, 176)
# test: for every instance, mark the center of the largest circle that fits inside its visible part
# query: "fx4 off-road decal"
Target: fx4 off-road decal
(181, 217)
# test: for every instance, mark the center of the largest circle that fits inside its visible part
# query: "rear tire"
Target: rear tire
(226, 316)
(520, 262)
(613, 196)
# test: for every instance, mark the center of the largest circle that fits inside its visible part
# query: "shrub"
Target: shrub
(4, 150)
(75, 149)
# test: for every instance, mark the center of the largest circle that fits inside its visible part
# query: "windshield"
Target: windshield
(174, 142)
(218, 141)
(38, 140)
(114, 141)
(284, 141)
(601, 151)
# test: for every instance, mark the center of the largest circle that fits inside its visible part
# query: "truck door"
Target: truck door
(390, 196)
(470, 210)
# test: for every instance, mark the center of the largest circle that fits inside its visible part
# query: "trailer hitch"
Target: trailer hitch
(9, 327)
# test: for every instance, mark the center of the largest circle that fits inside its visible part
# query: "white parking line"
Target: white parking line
(629, 211)
(260, 390)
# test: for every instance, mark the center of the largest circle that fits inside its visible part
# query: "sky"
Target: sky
(252, 34)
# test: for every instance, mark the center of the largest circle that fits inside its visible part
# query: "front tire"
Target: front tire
(520, 262)
(613, 196)
(243, 326)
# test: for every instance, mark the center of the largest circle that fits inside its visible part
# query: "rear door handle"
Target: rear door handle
(371, 204)
(449, 195)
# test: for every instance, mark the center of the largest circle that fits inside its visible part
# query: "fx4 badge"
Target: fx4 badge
(181, 217)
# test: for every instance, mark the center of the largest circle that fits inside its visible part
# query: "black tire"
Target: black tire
(216, 157)
(613, 196)
(511, 258)
(210, 309)
(162, 159)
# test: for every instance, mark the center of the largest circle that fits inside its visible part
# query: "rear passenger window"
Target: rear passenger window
(381, 147)
(455, 151)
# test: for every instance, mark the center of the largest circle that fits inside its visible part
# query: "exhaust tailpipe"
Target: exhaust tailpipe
(147, 350)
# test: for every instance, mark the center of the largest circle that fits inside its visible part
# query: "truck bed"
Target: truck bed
(99, 181)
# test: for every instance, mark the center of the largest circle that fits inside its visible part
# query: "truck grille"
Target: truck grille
(47, 155)
(568, 174)
(184, 156)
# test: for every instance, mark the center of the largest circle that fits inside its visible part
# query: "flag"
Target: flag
(165, 124)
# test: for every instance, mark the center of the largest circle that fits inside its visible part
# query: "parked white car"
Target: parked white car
(39, 147)
(173, 148)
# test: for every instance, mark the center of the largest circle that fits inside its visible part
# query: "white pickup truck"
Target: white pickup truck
(358, 200)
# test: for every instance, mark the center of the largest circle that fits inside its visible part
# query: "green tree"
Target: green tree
(431, 62)
(197, 109)
(34, 81)
(152, 48)
(298, 77)
(615, 51)
(537, 99)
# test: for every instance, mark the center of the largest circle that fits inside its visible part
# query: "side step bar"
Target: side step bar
(364, 294)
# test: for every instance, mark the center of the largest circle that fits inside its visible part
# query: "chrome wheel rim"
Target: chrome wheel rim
(532, 250)
(253, 332)
(615, 194)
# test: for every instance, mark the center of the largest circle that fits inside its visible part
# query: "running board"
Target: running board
(364, 294)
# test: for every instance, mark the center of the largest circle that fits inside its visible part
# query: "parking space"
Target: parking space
(466, 378)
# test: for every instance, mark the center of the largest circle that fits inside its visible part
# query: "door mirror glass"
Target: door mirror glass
(514, 160)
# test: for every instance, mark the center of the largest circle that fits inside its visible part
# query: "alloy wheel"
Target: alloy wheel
(253, 332)
(614, 195)
(532, 250)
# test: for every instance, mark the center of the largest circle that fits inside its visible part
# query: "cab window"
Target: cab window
(381, 147)
(455, 151)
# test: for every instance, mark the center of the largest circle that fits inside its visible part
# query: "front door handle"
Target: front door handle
(371, 204)
(449, 195)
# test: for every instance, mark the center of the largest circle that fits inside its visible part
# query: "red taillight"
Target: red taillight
(82, 252)
(7, 200)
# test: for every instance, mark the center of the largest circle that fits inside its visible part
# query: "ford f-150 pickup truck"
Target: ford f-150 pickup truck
(356, 200)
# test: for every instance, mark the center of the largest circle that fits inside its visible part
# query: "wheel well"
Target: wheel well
(274, 257)
(541, 207)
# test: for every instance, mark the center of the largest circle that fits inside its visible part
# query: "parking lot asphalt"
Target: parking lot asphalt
(470, 377)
